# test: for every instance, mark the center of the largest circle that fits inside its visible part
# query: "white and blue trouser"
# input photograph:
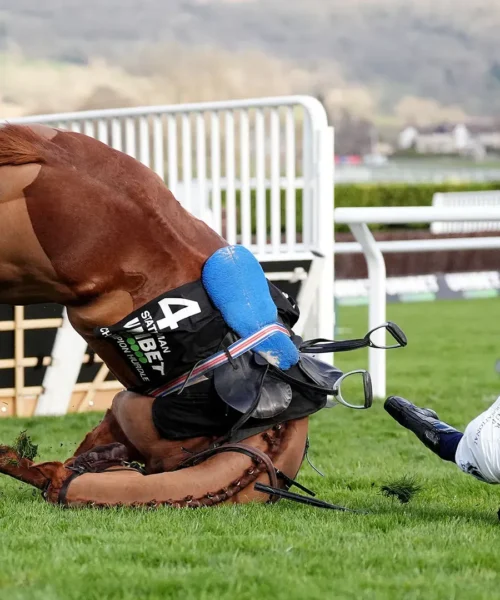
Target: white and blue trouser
(478, 452)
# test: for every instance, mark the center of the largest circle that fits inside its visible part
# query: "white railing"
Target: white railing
(452, 200)
(262, 145)
(358, 220)
(238, 166)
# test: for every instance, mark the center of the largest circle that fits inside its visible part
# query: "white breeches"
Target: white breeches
(478, 452)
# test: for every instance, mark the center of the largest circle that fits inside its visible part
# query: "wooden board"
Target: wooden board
(26, 338)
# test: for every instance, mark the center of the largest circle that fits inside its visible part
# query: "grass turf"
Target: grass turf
(443, 544)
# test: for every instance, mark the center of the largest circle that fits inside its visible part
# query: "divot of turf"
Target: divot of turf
(404, 489)
(24, 447)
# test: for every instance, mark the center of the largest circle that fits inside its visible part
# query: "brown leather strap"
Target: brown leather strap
(254, 453)
(63, 492)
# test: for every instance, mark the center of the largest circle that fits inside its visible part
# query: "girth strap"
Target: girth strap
(63, 492)
(254, 453)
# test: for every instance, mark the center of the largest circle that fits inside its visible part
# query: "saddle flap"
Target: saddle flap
(274, 399)
(239, 382)
(321, 373)
(243, 383)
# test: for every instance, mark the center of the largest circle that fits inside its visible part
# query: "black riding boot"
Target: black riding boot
(437, 435)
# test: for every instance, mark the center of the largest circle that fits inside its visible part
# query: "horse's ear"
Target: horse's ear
(20, 146)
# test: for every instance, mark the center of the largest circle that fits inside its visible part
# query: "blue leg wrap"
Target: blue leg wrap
(237, 285)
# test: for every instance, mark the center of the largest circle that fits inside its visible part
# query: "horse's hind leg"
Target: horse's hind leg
(129, 422)
(133, 413)
(107, 432)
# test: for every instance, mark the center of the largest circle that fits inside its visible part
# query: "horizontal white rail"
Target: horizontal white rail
(311, 104)
(423, 245)
(393, 215)
(358, 220)
(452, 200)
(413, 174)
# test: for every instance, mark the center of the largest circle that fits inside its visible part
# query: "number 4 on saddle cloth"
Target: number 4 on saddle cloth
(226, 362)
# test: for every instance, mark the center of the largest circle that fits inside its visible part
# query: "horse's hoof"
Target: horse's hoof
(100, 458)
(8, 454)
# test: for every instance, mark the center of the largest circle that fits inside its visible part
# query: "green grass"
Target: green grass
(443, 544)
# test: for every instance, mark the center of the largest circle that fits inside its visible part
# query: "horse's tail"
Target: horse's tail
(20, 145)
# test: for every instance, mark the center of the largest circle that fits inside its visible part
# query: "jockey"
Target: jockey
(476, 451)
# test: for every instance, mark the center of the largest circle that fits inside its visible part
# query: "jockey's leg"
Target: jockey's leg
(133, 413)
(476, 451)
(438, 436)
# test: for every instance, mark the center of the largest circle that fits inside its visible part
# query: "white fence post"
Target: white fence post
(325, 325)
(357, 219)
(62, 374)
(377, 308)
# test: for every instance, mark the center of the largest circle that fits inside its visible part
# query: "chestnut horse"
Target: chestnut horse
(93, 229)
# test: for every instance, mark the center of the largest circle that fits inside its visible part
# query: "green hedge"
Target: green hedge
(400, 194)
(351, 195)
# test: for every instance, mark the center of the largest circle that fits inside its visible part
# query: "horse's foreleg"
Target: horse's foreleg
(22, 469)
(106, 439)
(39, 474)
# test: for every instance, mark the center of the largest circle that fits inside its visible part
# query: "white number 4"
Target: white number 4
(171, 319)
